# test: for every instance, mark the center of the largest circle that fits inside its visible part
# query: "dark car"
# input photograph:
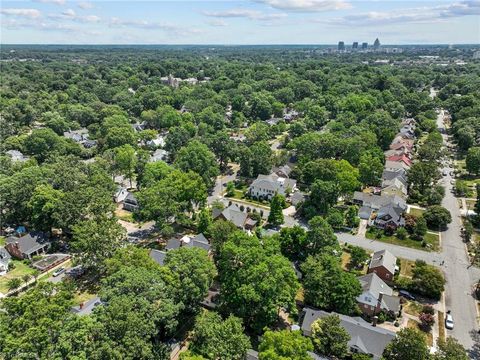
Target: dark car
(406, 295)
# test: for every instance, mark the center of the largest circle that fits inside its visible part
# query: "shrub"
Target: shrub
(428, 309)
(402, 233)
(426, 321)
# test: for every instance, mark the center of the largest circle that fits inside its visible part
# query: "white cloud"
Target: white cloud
(85, 5)
(27, 13)
(71, 15)
(172, 30)
(426, 14)
(217, 22)
(307, 5)
(245, 13)
(57, 2)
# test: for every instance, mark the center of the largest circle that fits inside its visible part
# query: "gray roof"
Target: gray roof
(374, 286)
(235, 215)
(379, 201)
(400, 174)
(16, 155)
(173, 244)
(364, 337)
(297, 197)
(199, 241)
(4, 254)
(383, 258)
(251, 355)
(130, 198)
(87, 306)
(273, 182)
(158, 256)
(159, 155)
(390, 213)
(365, 212)
(29, 243)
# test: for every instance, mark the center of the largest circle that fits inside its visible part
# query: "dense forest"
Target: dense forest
(344, 113)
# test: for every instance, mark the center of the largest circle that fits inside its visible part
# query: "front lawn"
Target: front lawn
(432, 239)
(416, 212)
(406, 267)
(2, 240)
(20, 270)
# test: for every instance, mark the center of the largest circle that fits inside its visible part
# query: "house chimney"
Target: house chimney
(379, 303)
(16, 245)
(81, 305)
(374, 321)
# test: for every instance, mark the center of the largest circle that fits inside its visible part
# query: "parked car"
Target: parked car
(75, 272)
(449, 321)
(406, 295)
(58, 271)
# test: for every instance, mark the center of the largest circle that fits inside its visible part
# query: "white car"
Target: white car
(449, 322)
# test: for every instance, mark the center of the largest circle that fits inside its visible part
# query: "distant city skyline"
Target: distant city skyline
(240, 22)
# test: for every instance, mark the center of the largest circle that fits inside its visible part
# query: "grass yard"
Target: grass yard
(406, 267)
(413, 308)
(20, 270)
(124, 215)
(441, 325)
(2, 240)
(81, 297)
(412, 324)
(432, 239)
(416, 212)
(345, 260)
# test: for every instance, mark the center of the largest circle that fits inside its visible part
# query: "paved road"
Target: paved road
(459, 275)
(459, 297)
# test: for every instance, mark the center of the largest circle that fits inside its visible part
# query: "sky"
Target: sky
(239, 22)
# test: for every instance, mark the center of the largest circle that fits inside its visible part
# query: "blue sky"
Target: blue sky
(239, 22)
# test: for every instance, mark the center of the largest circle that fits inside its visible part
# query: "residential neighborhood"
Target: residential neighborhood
(243, 202)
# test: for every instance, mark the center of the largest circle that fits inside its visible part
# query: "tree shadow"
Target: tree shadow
(474, 352)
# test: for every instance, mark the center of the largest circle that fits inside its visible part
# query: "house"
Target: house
(251, 355)
(394, 165)
(364, 337)
(86, 308)
(17, 156)
(28, 245)
(130, 203)
(273, 121)
(283, 171)
(211, 300)
(376, 202)
(396, 188)
(159, 141)
(389, 215)
(384, 264)
(4, 260)
(376, 296)
(265, 186)
(173, 244)
(297, 198)
(158, 256)
(400, 158)
(79, 136)
(401, 152)
(159, 155)
(234, 215)
(139, 126)
(199, 241)
(390, 177)
(401, 145)
(120, 194)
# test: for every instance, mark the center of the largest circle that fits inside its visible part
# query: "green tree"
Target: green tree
(473, 160)
(323, 195)
(450, 349)
(96, 240)
(44, 205)
(292, 242)
(329, 337)
(284, 345)
(358, 256)
(126, 161)
(428, 280)
(351, 216)
(320, 236)
(215, 338)
(194, 285)
(327, 286)
(256, 281)
(422, 174)
(275, 217)
(408, 344)
(204, 221)
(335, 218)
(420, 228)
(14, 283)
(198, 158)
(437, 217)
(370, 169)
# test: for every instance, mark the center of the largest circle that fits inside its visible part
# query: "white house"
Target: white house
(265, 186)
(4, 261)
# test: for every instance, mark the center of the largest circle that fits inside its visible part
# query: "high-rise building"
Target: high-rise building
(364, 46)
(341, 46)
(376, 44)
(355, 45)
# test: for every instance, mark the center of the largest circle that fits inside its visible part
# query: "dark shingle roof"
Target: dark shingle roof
(158, 256)
(30, 242)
